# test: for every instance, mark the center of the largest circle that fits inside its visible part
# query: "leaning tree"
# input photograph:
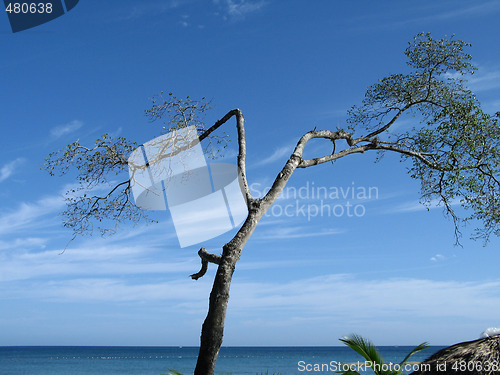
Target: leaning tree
(453, 149)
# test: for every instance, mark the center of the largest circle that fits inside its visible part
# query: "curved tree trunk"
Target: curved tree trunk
(213, 327)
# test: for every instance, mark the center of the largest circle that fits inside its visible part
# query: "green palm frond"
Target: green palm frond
(349, 372)
(370, 353)
(422, 346)
(173, 372)
(364, 347)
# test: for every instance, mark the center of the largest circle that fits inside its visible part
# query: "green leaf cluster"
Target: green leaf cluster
(97, 200)
(456, 143)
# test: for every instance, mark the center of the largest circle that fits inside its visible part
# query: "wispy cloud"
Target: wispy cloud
(116, 289)
(10, 168)
(100, 289)
(485, 79)
(95, 260)
(30, 214)
(147, 8)
(294, 233)
(184, 20)
(406, 207)
(240, 8)
(438, 257)
(339, 296)
(352, 297)
(454, 12)
(62, 130)
(479, 9)
(433, 13)
(277, 155)
(414, 206)
(28, 242)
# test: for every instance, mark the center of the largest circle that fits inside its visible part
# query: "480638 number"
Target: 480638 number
(476, 367)
(25, 8)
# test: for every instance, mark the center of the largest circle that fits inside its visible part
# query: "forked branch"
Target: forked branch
(206, 257)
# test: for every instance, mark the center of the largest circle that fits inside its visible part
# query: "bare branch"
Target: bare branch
(206, 257)
(242, 148)
(97, 199)
(386, 126)
(240, 124)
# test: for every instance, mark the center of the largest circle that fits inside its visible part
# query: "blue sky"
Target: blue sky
(391, 274)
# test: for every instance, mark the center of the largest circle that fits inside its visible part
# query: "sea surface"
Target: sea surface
(68, 360)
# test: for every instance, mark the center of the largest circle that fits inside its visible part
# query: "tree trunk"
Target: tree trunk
(213, 327)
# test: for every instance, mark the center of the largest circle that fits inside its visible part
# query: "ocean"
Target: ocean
(68, 360)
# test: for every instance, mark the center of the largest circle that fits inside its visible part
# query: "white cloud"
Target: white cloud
(415, 206)
(62, 130)
(33, 246)
(34, 214)
(352, 298)
(433, 14)
(476, 10)
(27, 242)
(484, 79)
(184, 20)
(148, 8)
(277, 155)
(119, 290)
(10, 168)
(409, 207)
(344, 297)
(294, 233)
(28, 215)
(270, 264)
(91, 262)
(240, 8)
(438, 257)
(116, 133)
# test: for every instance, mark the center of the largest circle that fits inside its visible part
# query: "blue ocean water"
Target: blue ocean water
(66, 360)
